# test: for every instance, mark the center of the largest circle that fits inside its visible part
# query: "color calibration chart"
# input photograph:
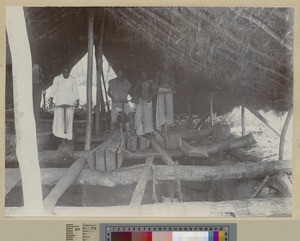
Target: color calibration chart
(168, 232)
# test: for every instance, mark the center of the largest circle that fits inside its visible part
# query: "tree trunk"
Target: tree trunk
(130, 175)
(26, 148)
(229, 145)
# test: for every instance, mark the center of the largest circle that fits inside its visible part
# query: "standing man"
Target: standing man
(164, 104)
(144, 91)
(65, 92)
(118, 90)
(37, 80)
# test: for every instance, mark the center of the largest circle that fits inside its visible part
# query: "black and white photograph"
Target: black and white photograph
(149, 111)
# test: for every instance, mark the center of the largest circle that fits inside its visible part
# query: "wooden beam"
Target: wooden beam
(210, 98)
(26, 148)
(99, 63)
(243, 119)
(261, 186)
(283, 133)
(263, 119)
(138, 194)
(71, 175)
(91, 16)
(229, 145)
(165, 157)
(259, 207)
(281, 183)
(105, 90)
(130, 175)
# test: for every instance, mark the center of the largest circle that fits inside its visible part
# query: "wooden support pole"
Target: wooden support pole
(260, 187)
(99, 63)
(130, 175)
(138, 194)
(210, 98)
(283, 133)
(281, 183)
(259, 207)
(243, 119)
(26, 148)
(88, 135)
(260, 117)
(105, 90)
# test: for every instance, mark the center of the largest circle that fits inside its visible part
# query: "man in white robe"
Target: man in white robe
(64, 91)
(144, 91)
(164, 103)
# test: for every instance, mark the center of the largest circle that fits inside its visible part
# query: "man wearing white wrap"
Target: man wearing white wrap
(144, 90)
(164, 103)
(65, 92)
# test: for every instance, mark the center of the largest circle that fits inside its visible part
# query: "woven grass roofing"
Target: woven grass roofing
(241, 52)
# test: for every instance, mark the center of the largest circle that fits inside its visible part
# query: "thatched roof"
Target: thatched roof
(242, 52)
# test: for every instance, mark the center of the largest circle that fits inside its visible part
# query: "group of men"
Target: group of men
(65, 92)
(143, 92)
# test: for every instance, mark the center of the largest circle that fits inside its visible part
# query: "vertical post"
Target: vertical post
(243, 118)
(210, 98)
(104, 85)
(26, 148)
(100, 99)
(88, 135)
(283, 133)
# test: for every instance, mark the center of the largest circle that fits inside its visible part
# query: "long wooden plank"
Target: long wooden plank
(258, 207)
(139, 191)
(129, 175)
(64, 183)
(165, 157)
(69, 177)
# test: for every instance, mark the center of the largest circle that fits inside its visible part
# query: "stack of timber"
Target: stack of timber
(177, 142)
